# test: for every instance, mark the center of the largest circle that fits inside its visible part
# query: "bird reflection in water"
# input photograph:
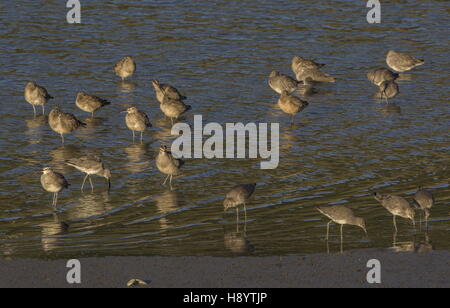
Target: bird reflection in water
(166, 203)
(51, 233)
(418, 246)
(91, 204)
(126, 86)
(61, 154)
(36, 128)
(389, 110)
(136, 158)
(92, 123)
(237, 242)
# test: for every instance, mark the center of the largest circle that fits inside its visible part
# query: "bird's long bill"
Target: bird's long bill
(124, 111)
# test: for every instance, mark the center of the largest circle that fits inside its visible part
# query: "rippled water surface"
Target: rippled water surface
(219, 53)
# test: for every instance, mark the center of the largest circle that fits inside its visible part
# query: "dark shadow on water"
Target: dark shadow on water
(388, 109)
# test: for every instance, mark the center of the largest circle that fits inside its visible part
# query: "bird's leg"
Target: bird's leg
(53, 200)
(56, 199)
(328, 228)
(84, 180)
(62, 138)
(292, 120)
(43, 109)
(133, 135)
(385, 97)
(34, 110)
(245, 213)
(237, 215)
(342, 236)
(171, 119)
(164, 183)
(245, 227)
(395, 225)
(170, 182)
(92, 186)
(92, 115)
(141, 137)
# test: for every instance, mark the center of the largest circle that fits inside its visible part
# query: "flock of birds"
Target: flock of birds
(307, 73)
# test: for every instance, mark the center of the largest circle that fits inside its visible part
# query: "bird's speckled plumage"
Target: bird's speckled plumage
(125, 67)
(36, 95)
(90, 103)
(238, 195)
(166, 91)
(63, 123)
(279, 83)
(402, 62)
(381, 75)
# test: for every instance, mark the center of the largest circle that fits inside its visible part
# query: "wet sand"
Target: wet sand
(429, 270)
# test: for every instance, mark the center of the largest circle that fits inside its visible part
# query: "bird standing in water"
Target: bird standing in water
(63, 123)
(36, 96)
(424, 199)
(90, 165)
(291, 104)
(136, 120)
(53, 182)
(167, 164)
(238, 195)
(90, 103)
(125, 67)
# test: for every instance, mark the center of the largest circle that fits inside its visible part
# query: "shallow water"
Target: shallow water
(219, 54)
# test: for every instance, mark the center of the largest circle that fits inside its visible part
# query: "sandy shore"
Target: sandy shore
(348, 270)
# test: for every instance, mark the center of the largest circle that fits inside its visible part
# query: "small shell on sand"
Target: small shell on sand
(136, 283)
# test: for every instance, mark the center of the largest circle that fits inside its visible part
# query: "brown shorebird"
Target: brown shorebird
(125, 67)
(238, 195)
(309, 71)
(381, 75)
(90, 165)
(397, 206)
(173, 108)
(136, 120)
(402, 62)
(53, 182)
(90, 103)
(36, 96)
(165, 90)
(343, 216)
(299, 64)
(424, 199)
(291, 104)
(167, 164)
(387, 89)
(63, 123)
(309, 75)
(279, 83)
